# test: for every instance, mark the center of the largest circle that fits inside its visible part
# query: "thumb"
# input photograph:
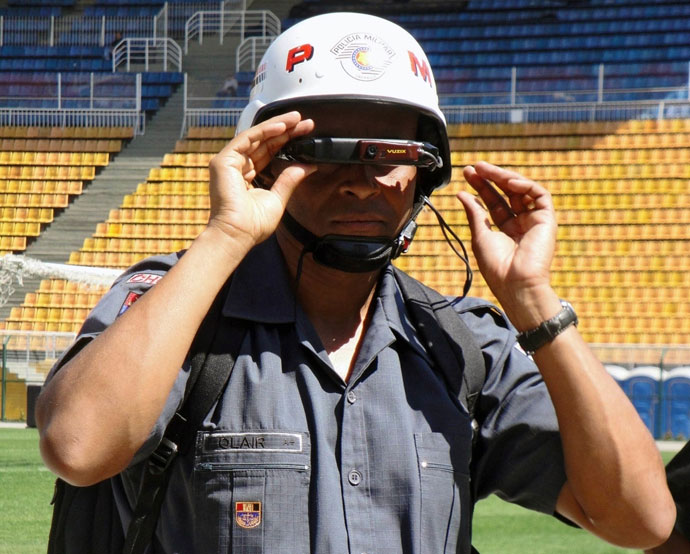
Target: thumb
(289, 179)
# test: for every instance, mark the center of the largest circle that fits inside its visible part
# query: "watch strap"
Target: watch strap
(532, 340)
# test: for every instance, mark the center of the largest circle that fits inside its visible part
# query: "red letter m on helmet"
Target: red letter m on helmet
(420, 68)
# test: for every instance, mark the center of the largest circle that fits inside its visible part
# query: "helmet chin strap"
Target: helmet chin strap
(353, 253)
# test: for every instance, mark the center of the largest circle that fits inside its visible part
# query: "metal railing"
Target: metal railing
(147, 52)
(74, 99)
(249, 52)
(238, 23)
(517, 103)
(198, 112)
(576, 111)
(75, 30)
(46, 117)
(92, 90)
(170, 21)
(630, 356)
(22, 351)
(70, 30)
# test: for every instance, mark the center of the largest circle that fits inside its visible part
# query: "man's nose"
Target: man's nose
(356, 181)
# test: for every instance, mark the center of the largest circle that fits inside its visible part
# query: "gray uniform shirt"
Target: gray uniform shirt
(292, 459)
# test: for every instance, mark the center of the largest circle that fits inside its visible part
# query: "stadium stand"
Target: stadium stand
(622, 224)
(41, 168)
(622, 228)
(42, 40)
(555, 47)
(619, 184)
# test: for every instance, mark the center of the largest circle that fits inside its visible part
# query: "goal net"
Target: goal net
(15, 268)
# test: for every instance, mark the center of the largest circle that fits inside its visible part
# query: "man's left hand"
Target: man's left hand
(513, 231)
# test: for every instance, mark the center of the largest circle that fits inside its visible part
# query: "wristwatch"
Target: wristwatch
(532, 340)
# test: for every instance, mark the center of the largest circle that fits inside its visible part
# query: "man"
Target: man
(678, 476)
(335, 433)
(230, 85)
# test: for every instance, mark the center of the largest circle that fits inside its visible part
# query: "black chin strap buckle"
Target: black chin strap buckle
(402, 243)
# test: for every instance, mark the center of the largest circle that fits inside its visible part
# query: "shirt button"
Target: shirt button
(354, 477)
(351, 397)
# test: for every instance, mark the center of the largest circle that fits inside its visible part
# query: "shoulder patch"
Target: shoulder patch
(146, 278)
(132, 297)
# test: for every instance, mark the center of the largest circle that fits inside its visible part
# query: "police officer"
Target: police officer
(678, 476)
(334, 432)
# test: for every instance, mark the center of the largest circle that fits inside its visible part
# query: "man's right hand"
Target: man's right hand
(242, 212)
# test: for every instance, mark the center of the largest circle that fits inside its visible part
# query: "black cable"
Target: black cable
(445, 228)
(298, 276)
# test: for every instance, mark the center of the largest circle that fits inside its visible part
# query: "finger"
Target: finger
(250, 151)
(528, 196)
(247, 142)
(511, 182)
(265, 151)
(501, 212)
(525, 196)
(476, 215)
(495, 173)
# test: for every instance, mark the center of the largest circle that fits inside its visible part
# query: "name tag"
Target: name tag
(253, 442)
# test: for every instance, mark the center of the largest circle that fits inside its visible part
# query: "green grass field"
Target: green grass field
(26, 489)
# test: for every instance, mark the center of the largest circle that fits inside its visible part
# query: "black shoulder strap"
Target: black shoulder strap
(212, 360)
(449, 341)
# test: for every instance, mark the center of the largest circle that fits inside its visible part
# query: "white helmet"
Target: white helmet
(350, 57)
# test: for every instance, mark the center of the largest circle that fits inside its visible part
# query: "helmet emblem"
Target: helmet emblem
(421, 69)
(297, 55)
(363, 56)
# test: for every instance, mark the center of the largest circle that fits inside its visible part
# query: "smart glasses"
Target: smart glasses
(388, 152)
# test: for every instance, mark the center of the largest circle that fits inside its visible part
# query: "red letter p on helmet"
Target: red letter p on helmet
(298, 55)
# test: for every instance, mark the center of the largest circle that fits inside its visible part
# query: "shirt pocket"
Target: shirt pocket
(445, 492)
(251, 492)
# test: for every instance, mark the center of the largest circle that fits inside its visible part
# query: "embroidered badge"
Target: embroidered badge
(146, 278)
(132, 297)
(248, 514)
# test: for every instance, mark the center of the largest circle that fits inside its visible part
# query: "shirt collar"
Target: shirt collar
(392, 304)
(260, 289)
